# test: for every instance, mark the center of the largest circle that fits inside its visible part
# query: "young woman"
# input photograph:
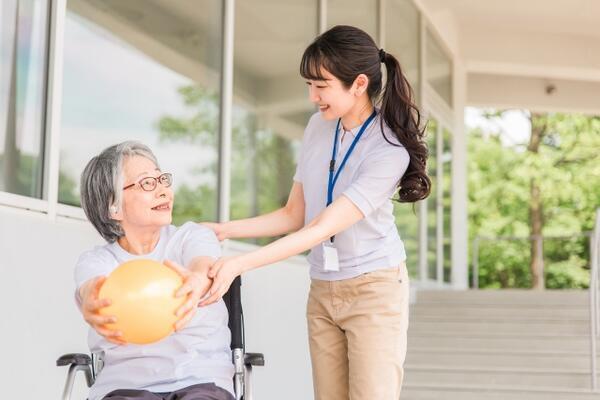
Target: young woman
(354, 158)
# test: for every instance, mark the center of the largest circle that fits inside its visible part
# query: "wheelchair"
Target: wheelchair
(242, 361)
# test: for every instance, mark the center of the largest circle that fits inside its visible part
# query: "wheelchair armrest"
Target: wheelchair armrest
(256, 359)
(73, 359)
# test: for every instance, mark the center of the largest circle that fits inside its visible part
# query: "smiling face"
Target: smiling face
(333, 98)
(143, 209)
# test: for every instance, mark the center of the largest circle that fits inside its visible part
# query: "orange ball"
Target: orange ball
(142, 293)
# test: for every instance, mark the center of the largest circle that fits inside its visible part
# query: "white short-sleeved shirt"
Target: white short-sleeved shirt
(369, 180)
(199, 353)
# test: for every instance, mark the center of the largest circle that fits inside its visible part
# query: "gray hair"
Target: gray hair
(102, 186)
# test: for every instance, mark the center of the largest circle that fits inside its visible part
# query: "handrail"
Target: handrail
(594, 261)
(594, 294)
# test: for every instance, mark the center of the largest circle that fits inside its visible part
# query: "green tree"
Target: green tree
(547, 186)
(262, 164)
(25, 180)
(198, 129)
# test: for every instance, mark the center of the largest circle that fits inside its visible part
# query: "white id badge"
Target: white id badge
(330, 257)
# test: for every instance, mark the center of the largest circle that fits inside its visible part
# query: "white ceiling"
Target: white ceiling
(512, 50)
(572, 17)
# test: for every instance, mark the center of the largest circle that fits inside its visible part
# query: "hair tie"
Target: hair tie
(382, 55)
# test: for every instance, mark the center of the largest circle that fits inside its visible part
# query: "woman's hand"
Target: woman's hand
(91, 306)
(217, 228)
(195, 285)
(223, 272)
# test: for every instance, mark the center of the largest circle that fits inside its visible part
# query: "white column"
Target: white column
(322, 16)
(460, 234)
(423, 271)
(54, 104)
(224, 176)
(381, 23)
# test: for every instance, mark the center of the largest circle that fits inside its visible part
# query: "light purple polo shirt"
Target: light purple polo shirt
(369, 180)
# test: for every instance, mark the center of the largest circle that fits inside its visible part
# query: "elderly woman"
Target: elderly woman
(129, 201)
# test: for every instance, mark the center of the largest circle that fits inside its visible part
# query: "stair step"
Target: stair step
(427, 374)
(499, 311)
(488, 358)
(505, 296)
(499, 345)
(465, 342)
(454, 392)
(500, 319)
(500, 326)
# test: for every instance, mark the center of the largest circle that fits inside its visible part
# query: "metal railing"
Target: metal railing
(594, 320)
(594, 289)
(538, 240)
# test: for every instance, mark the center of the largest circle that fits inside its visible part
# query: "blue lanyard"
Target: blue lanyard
(333, 178)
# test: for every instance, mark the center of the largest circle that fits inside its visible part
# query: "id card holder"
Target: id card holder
(330, 257)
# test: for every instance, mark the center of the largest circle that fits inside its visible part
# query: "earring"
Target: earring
(113, 209)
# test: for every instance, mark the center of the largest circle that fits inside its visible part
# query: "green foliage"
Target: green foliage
(67, 190)
(262, 162)
(568, 171)
(27, 182)
(20, 174)
(407, 221)
(571, 273)
(194, 204)
(200, 127)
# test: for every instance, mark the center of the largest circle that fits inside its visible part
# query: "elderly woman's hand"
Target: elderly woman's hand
(223, 272)
(195, 285)
(91, 306)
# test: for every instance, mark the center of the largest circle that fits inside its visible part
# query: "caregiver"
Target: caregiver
(354, 157)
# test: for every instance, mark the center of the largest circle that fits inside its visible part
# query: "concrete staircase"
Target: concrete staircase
(499, 345)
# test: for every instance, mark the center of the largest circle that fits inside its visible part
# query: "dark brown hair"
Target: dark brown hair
(346, 52)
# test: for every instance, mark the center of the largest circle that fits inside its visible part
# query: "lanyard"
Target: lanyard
(334, 177)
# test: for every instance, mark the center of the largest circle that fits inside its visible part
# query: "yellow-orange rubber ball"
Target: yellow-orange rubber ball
(142, 293)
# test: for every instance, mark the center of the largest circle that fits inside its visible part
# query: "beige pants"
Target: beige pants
(357, 333)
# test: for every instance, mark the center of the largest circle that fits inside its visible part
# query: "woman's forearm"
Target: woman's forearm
(283, 248)
(339, 216)
(279, 222)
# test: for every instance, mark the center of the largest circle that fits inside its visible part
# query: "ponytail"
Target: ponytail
(404, 119)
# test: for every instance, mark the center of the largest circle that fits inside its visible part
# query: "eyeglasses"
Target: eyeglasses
(149, 183)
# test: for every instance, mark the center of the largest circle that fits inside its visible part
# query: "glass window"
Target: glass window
(432, 209)
(407, 221)
(446, 160)
(402, 37)
(359, 13)
(271, 106)
(146, 71)
(23, 44)
(438, 69)
(402, 40)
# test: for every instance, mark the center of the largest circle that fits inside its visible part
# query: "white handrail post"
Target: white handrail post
(594, 258)
(476, 263)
